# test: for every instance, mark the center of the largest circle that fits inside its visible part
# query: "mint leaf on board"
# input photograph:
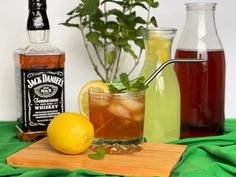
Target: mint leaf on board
(99, 155)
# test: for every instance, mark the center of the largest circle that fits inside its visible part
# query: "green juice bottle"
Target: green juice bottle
(162, 110)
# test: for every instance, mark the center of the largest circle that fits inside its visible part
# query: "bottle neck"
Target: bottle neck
(200, 31)
(201, 20)
(158, 42)
(38, 26)
(41, 36)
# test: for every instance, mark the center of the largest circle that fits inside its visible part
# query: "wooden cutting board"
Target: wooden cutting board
(153, 160)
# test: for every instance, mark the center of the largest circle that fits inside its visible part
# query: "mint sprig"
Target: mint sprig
(126, 85)
(99, 155)
(108, 33)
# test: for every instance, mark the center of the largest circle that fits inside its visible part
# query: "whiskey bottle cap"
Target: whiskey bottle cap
(37, 5)
(37, 19)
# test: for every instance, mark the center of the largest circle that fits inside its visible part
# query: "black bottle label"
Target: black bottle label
(43, 97)
(37, 20)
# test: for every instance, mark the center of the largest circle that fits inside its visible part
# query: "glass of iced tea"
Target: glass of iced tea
(118, 121)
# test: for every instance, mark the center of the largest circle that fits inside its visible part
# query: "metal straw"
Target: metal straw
(179, 60)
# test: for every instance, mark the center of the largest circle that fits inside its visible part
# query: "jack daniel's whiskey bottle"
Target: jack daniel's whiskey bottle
(39, 69)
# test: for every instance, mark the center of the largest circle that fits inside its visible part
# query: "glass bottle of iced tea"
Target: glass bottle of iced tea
(39, 72)
(202, 85)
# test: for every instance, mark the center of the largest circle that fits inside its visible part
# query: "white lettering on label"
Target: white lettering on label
(45, 79)
(52, 79)
(33, 82)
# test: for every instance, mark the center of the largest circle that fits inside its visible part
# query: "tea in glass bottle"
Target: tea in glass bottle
(202, 85)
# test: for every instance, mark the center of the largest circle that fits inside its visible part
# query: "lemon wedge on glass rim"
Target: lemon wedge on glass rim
(97, 86)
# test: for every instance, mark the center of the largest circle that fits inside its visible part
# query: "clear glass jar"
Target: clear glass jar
(162, 111)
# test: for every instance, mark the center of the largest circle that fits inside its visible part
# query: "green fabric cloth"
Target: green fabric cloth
(209, 156)
(204, 157)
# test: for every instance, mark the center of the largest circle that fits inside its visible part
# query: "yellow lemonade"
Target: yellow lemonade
(162, 112)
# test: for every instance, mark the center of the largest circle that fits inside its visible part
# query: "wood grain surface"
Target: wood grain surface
(153, 160)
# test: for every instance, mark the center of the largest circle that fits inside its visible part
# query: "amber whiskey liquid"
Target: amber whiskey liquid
(40, 93)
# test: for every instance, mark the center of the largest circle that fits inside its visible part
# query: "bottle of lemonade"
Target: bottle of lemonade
(162, 111)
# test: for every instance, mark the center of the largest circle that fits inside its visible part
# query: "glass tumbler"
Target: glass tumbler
(118, 120)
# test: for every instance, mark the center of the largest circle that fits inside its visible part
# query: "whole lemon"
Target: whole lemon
(70, 133)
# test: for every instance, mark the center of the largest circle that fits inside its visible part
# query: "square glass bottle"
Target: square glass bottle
(39, 73)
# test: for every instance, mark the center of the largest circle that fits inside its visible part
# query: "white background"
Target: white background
(13, 17)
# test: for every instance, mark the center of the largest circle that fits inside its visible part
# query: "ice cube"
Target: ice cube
(119, 110)
(138, 117)
(132, 105)
(100, 100)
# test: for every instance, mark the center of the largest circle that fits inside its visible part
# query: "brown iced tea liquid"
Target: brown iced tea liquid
(40, 93)
(202, 88)
(118, 122)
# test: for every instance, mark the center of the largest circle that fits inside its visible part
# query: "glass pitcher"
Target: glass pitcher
(202, 85)
(162, 111)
